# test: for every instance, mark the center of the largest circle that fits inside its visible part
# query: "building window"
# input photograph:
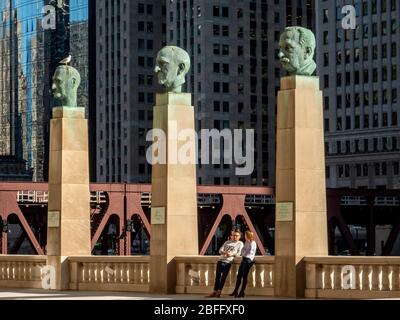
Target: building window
(216, 29)
(225, 31)
(216, 11)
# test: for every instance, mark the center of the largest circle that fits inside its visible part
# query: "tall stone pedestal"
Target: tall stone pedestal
(174, 229)
(301, 216)
(68, 232)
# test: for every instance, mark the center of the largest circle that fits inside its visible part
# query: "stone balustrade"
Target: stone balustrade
(352, 277)
(110, 273)
(196, 275)
(21, 271)
(326, 277)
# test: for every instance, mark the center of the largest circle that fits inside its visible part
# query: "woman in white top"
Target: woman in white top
(248, 254)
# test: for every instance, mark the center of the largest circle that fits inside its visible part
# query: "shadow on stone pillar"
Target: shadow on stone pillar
(174, 229)
(301, 215)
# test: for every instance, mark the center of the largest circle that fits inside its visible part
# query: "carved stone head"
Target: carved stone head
(297, 49)
(172, 65)
(66, 81)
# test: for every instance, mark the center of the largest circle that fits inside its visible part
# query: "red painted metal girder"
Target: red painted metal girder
(8, 206)
(233, 206)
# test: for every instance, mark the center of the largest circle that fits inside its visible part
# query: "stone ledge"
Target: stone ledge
(300, 82)
(67, 112)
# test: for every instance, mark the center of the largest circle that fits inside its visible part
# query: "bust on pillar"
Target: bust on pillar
(301, 215)
(68, 232)
(174, 196)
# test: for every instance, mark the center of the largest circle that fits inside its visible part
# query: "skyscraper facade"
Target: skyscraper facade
(34, 36)
(128, 37)
(359, 70)
(234, 77)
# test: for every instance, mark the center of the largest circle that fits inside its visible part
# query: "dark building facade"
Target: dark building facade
(234, 77)
(360, 74)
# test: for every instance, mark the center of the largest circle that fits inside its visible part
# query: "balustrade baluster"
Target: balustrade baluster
(327, 277)
(131, 271)
(337, 277)
(91, 272)
(202, 274)
(385, 278)
(211, 273)
(145, 278)
(85, 272)
(193, 270)
(94, 272)
(253, 274)
(364, 277)
(37, 272)
(359, 278)
(125, 269)
(18, 271)
(259, 273)
(114, 273)
(108, 273)
(375, 278)
(395, 277)
(271, 275)
(137, 276)
(29, 271)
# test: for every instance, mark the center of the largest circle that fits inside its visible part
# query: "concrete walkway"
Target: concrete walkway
(29, 294)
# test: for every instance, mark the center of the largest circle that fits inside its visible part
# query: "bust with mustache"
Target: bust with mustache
(297, 49)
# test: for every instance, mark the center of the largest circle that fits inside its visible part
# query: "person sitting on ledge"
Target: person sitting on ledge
(230, 249)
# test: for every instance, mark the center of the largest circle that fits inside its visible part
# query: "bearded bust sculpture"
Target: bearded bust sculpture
(297, 49)
(66, 81)
(172, 65)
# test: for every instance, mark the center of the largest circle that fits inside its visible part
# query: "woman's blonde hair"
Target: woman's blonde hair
(250, 235)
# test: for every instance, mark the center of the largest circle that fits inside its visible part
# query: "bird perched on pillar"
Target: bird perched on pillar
(66, 61)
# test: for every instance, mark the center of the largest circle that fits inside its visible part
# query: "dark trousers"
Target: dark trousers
(223, 269)
(243, 274)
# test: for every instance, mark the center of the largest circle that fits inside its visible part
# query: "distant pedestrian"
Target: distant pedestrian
(228, 251)
(248, 253)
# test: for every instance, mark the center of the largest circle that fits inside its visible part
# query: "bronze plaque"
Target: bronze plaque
(284, 211)
(158, 215)
(53, 219)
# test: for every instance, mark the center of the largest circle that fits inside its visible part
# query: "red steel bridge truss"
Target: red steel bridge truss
(120, 217)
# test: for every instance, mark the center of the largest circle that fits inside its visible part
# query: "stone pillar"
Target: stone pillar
(301, 216)
(174, 229)
(68, 232)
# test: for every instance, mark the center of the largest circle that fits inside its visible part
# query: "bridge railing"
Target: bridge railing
(196, 275)
(109, 273)
(352, 277)
(21, 271)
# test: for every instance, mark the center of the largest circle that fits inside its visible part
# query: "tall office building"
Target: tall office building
(128, 37)
(360, 74)
(234, 77)
(30, 49)
(236, 74)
